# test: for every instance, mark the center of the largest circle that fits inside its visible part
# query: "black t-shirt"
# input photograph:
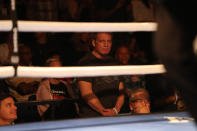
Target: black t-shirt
(106, 88)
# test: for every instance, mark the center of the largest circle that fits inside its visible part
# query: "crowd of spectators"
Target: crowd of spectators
(93, 96)
(132, 94)
(80, 10)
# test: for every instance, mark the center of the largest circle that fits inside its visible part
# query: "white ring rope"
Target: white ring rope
(7, 71)
(58, 72)
(5, 25)
(45, 26)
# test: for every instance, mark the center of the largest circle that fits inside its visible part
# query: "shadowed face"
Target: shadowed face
(123, 55)
(140, 103)
(25, 55)
(102, 44)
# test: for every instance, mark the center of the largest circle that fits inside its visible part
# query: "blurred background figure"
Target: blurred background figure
(6, 50)
(20, 87)
(55, 89)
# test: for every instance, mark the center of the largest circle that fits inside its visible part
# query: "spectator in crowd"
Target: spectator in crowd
(122, 55)
(75, 10)
(22, 88)
(6, 50)
(4, 9)
(138, 56)
(46, 10)
(25, 55)
(102, 96)
(81, 43)
(112, 11)
(8, 110)
(40, 47)
(55, 89)
(139, 101)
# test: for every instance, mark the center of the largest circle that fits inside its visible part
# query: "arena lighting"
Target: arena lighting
(46, 26)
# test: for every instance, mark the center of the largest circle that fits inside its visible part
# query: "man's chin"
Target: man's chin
(143, 111)
(13, 117)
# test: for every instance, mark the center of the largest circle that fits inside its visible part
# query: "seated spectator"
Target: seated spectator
(40, 47)
(138, 56)
(6, 50)
(22, 88)
(130, 81)
(55, 89)
(8, 110)
(123, 55)
(139, 101)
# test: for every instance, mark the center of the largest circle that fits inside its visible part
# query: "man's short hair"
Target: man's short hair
(95, 34)
(50, 60)
(137, 89)
(4, 95)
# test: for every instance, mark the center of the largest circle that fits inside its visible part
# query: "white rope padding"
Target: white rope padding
(58, 72)
(7, 71)
(5, 25)
(45, 26)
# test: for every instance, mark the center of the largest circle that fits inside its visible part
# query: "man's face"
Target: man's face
(102, 44)
(123, 55)
(8, 110)
(25, 55)
(140, 103)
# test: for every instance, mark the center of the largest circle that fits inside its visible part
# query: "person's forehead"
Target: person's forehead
(104, 35)
(55, 63)
(123, 49)
(140, 94)
(7, 100)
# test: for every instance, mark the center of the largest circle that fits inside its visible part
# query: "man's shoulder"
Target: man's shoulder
(87, 59)
(91, 60)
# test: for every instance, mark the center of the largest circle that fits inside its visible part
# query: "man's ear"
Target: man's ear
(130, 106)
(93, 43)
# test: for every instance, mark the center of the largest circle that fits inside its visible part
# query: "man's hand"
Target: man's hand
(108, 112)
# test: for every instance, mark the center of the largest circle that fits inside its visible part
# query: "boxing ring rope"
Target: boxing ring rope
(7, 71)
(45, 26)
(88, 71)
(42, 26)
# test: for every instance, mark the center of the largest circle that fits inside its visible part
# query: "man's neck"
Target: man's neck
(4, 122)
(97, 55)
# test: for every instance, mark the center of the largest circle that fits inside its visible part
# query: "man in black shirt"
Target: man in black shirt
(102, 95)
